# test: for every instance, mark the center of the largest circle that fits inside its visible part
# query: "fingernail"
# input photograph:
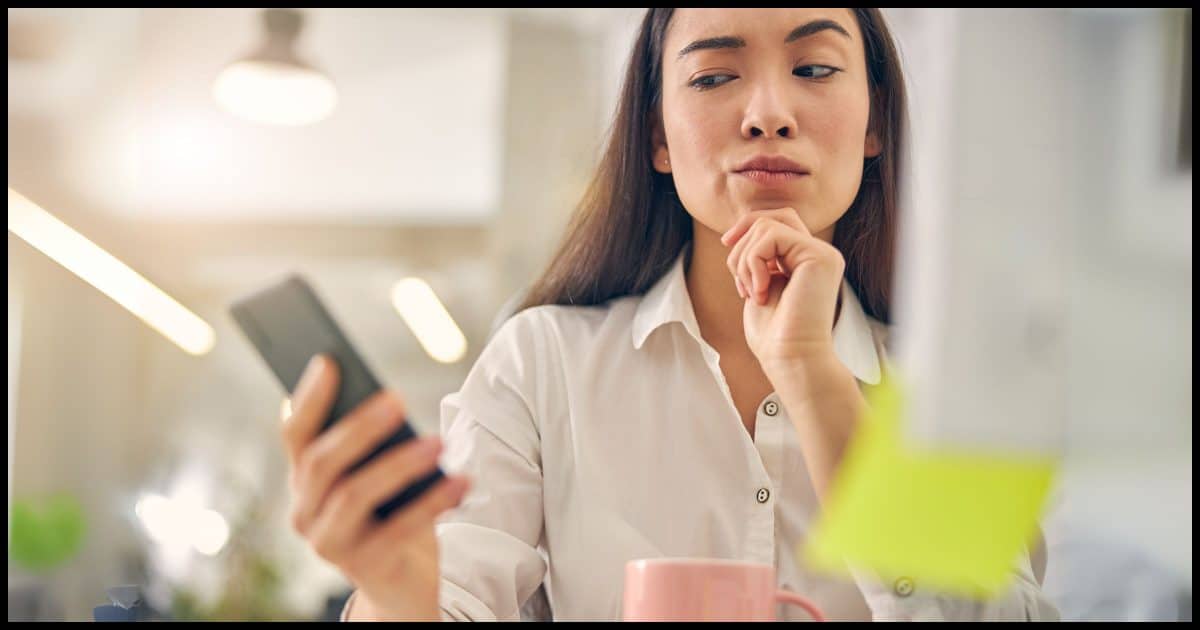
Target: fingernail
(306, 379)
(429, 445)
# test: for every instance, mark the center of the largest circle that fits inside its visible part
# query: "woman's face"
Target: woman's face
(745, 83)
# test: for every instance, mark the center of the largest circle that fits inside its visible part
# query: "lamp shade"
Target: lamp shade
(274, 85)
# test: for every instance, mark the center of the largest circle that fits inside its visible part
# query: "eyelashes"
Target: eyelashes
(711, 81)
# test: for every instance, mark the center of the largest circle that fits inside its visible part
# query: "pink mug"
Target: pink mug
(703, 589)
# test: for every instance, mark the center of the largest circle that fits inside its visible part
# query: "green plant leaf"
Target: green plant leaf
(46, 531)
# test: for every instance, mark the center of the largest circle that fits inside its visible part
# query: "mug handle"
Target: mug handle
(789, 597)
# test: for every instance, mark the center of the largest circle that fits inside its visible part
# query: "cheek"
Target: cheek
(842, 147)
(695, 143)
(842, 138)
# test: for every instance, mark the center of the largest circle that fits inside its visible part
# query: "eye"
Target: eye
(710, 81)
(816, 72)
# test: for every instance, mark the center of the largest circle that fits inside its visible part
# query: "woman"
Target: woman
(731, 261)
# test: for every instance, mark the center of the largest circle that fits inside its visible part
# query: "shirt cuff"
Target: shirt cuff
(460, 605)
(350, 601)
(346, 607)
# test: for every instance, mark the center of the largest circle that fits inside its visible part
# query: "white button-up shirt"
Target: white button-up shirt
(597, 435)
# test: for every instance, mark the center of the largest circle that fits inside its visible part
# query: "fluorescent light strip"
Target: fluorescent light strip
(112, 277)
(430, 322)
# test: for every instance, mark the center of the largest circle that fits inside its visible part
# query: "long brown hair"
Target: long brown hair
(630, 225)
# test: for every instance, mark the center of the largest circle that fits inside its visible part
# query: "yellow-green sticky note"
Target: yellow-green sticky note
(955, 519)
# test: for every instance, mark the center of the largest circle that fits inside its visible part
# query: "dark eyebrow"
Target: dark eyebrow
(812, 28)
(711, 43)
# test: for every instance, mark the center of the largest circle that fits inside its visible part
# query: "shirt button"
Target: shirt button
(771, 408)
(904, 587)
(763, 495)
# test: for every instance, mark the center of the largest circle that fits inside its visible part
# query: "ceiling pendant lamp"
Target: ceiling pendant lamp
(273, 85)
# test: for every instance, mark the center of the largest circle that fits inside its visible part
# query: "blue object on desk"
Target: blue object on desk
(126, 605)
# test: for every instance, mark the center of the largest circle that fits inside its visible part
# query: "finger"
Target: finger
(332, 536)
(743, 269)
(346, 515)
(791, 218)
(440, 497)
(758, 270)
(746, 245)
(756, 262)
(735, 247)
(788, 247)
(310, 403)
(739, 228)
(787, 216)
(385, 477)
(347, 443)
(733, 260)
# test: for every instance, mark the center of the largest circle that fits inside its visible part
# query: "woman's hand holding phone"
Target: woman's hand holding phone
(394, 562)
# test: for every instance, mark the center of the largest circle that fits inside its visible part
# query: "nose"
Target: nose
(768, 115)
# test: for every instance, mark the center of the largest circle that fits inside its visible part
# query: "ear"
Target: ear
(872, 147)
(660, 155)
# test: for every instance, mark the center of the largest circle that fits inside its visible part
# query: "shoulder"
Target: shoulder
(881, 335)
(527, 357)
(563, 327)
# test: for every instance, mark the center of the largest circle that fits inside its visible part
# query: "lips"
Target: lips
(771, 170)
(771, 164)
(772, 178)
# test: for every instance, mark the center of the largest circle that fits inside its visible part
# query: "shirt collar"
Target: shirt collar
(668, 301)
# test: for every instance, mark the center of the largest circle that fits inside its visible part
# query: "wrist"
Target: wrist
(799, 359)
(360, 607)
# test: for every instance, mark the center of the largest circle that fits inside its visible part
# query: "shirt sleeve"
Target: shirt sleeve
(906, 599)
(490, 545)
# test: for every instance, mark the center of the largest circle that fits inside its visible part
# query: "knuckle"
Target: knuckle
(297, 521)
(444, 497)
(324, 549)
(393, 404)
(446, 500)
(313, 464)
(344, 497)
(408, 466)
(398, 397)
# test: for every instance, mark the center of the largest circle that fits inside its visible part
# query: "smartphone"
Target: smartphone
(287, 323)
